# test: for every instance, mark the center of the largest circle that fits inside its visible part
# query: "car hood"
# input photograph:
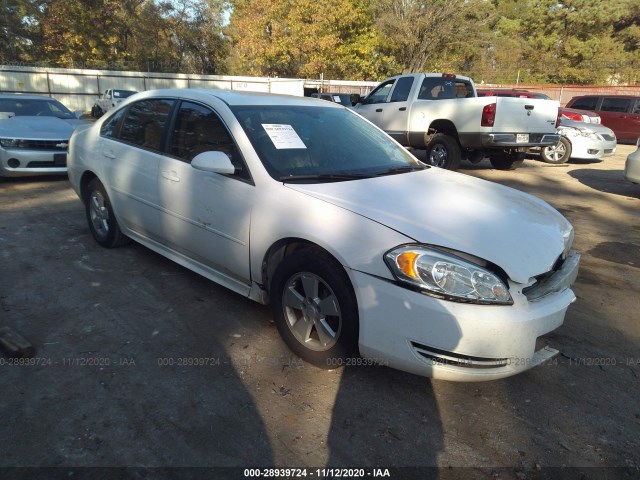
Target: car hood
(518, 232)
(38, 128)
(594, 127)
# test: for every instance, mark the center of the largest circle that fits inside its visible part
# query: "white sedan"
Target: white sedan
(580, 140)
(356, 245)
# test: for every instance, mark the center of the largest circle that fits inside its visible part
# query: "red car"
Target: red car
(621, 113)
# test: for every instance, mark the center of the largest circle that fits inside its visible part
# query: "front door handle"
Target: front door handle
(378, 109)
(171, 176)
(402, 109)
(108, 155)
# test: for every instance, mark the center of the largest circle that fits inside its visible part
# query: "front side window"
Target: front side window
(615, 104)
(198, 129)
(381, 93)
(636, 108)
(316, 144)
(144, 123)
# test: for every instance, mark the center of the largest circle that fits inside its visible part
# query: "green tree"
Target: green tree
(307, 38)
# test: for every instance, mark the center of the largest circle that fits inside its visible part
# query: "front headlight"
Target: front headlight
(9, 142)
(446, 275)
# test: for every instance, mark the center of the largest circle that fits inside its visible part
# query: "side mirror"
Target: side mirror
(355, 98)
(215, 162)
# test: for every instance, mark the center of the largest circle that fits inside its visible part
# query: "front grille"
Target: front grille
(443, 357)
(608, 138)
(56, 145)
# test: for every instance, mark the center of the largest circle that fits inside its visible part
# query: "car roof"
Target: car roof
(604, 95)
(236, 98)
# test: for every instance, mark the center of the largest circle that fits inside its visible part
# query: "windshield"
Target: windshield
(123, 93)
(31, 108)
(299, 143)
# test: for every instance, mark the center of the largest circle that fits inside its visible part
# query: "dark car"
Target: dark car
(621, 113)
(341, 98)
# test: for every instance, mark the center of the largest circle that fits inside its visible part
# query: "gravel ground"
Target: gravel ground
(116, 333)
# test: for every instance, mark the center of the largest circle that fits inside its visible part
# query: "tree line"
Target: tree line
(496, 41)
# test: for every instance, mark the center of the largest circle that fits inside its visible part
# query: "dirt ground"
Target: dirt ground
(140, 362)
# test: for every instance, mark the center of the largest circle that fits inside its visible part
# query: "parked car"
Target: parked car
(621, 113)
(353, 242)
(34, 134)
(579, 140)
(632, 165)
(342, 98)
(441, 113)
(563, 112)
(109, 99)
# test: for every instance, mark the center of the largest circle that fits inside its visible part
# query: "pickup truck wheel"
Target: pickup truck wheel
(557, 154)
(96, 112)
(443, 151)
(507, 161)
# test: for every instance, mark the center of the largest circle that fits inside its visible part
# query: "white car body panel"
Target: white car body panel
(632, 165)
(223, 228)
(602, 143)
(474, 211)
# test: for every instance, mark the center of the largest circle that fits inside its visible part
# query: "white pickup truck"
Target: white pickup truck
(442, 114)
(109, 99)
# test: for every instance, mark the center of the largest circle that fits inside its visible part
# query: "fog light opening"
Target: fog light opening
(13, 163)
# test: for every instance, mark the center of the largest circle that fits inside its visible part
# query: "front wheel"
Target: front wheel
(509, 161)
(102, 221)
(314, 308)
(558, 154)
(443, 151)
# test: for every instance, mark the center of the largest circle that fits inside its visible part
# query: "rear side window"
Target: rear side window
(585, 103)
(610, 104)
(402, 89)
(144, 123)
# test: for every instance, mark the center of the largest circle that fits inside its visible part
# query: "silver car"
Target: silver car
(632, 166)
(34, 135)
(589, 141)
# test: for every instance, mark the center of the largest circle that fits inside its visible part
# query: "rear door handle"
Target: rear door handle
(108, 155)
(171, 176)
(402, 109)
(528, 107)
(378, 109)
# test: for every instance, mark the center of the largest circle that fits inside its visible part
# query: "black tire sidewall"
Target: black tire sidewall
(564, 159)
(109, 239)
(451, 146)
(333, 274)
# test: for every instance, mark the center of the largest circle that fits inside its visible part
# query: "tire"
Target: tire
(509, 161)
(314, 308)
(557, 154)
(96, 112)
(102, 221)
(443, 151)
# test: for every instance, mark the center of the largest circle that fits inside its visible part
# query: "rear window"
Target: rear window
(585, 103)
(615, 104)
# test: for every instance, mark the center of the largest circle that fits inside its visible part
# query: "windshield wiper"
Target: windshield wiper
(404, 169)
(324, 177)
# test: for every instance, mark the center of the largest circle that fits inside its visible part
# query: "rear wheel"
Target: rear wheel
(102, 221)
(507, 161)
(559, 153)
(314, 308)
(443, 151)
